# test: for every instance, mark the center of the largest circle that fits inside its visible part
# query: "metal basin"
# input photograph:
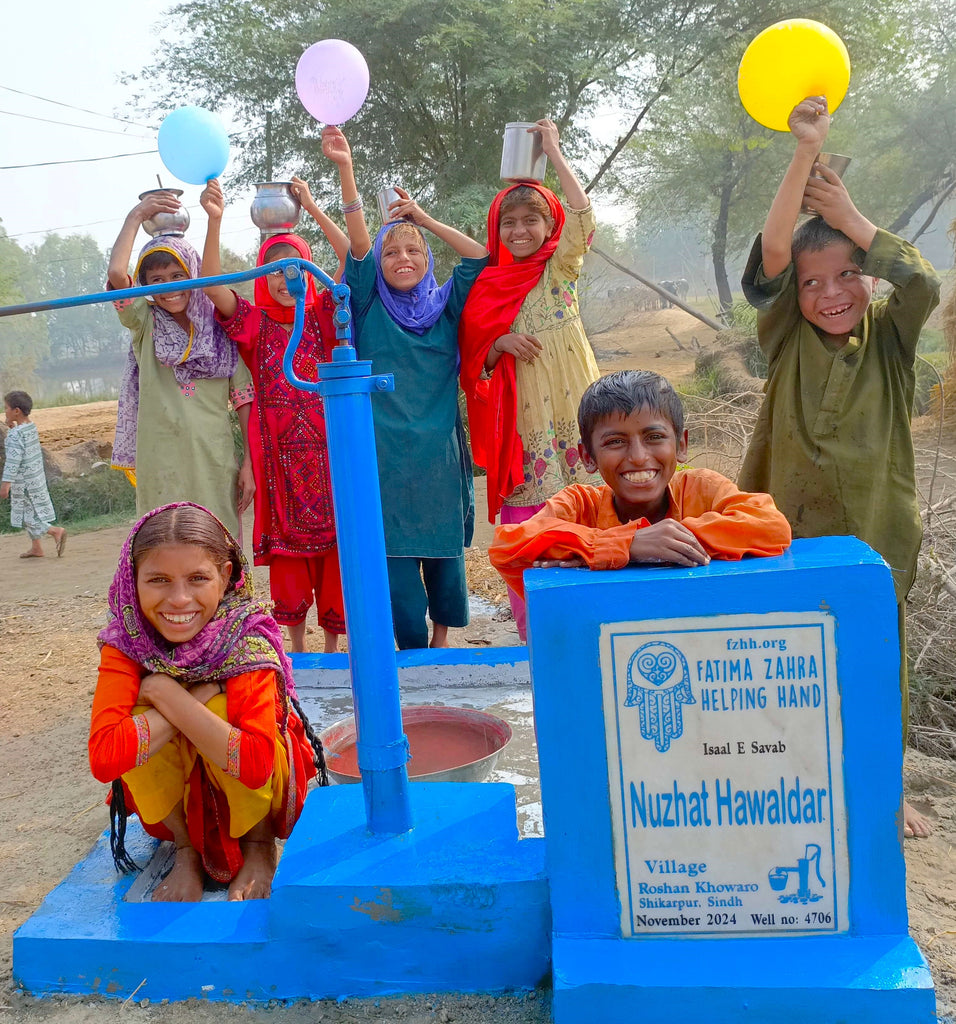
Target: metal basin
(446, 745)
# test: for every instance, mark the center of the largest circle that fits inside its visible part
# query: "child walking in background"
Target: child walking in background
(173, 430)
(406, 324)
(24, 481)
(525, 359)
(647, 511)
(195, 720)
(832, 442)
(294, 531)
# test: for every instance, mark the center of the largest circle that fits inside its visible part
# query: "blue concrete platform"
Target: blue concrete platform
(459, 903)
(788, 981)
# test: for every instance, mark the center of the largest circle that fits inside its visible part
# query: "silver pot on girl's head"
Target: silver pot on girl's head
(275, 209)
(166, 223)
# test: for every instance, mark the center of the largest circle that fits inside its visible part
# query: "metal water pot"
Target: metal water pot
(275, 209)
(166, 223)
(522, 158)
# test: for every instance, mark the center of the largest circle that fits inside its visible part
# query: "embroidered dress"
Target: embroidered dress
(269, 759)
(290, 459)
(30, 504)
(550, 388)
(523, 420)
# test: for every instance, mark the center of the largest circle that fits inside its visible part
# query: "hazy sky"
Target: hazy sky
(74, 53)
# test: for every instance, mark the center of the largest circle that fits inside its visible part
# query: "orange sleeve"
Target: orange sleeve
(114, 737)
(252, 709)
(728, 522)
(119, 740)
(574, 523)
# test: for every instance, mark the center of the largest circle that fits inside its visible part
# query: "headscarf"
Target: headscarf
(202, 352)
(490, 309)
(421, 306)
(242, 635)
(263, 299)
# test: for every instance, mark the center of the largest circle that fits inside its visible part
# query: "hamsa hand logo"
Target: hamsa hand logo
(658, 685)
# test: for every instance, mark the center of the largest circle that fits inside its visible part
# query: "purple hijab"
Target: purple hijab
(242, 635)
(202, 352)
(418, 309)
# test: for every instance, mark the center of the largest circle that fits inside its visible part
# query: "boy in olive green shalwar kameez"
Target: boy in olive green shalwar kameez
(832, 442)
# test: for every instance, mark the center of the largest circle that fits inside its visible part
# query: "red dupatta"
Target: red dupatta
(491, 308)
(264, 301)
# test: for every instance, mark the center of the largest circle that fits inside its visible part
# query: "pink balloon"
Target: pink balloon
(331, 79)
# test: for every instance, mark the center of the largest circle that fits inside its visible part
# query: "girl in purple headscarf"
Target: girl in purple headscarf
(173, 430)
(408, 325)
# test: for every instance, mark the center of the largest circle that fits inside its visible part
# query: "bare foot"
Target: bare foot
(915, 825)
(184, 883)
(254, 881)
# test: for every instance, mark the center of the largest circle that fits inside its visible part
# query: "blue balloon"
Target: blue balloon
(193, 144)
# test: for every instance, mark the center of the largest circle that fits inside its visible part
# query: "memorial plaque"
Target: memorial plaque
(725, 750)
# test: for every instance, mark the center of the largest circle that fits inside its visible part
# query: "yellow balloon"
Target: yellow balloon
(788, 62)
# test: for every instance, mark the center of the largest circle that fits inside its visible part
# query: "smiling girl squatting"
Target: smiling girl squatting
(195, 719)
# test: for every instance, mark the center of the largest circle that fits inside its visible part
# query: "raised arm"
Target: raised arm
(336, 147)
(117, 272)
(212, 201)
(409, 209)
(550, 142)
(337, 238)
(809, 123)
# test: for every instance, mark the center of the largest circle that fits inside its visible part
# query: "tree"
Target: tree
(74, 265)
(23, 339)
(704, 159)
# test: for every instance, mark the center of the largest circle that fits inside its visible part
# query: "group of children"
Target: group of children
(194, 716)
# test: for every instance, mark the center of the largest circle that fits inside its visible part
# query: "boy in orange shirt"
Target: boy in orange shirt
(632, 433)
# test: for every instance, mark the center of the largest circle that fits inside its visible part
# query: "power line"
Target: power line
(70, 106)
(84, 160)
(70, 124)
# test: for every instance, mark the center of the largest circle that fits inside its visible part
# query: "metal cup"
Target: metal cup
(837, 163)
(522, 158)
(385, 197)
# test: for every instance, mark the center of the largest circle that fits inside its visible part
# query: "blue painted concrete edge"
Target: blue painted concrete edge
(460, 903)
(426, 656)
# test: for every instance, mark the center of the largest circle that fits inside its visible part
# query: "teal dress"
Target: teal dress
(424, 466)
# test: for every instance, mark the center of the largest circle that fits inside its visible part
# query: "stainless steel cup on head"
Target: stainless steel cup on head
(522, 158)
(837, 163)
(385, 197)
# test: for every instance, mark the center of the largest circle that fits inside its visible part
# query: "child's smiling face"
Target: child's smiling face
(522, 231)
(832, 291)
(174, 303)
(179, 587)
(636, 456)
(404, 260)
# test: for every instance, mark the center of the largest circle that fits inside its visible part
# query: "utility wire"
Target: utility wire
(84, 160)
(70, 106)
(70, 124)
